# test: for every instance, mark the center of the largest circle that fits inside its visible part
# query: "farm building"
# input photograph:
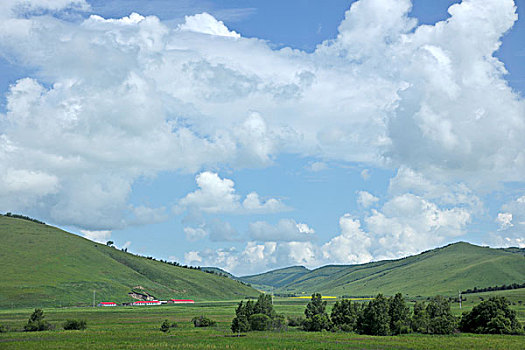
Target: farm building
(181, 301)
(146, 303)
(107, 303)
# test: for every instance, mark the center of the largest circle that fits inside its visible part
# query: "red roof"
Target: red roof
(107, 303)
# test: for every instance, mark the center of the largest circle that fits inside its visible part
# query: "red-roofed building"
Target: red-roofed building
(107, 303)
(181, 301)
(146, 303)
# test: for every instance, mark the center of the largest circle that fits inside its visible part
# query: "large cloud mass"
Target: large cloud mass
(116, 99)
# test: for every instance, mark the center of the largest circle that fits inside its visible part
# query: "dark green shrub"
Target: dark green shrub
(75, 325)
(36, 322)
(203, 321)
(165, 326)
(260, 322)
(3, 329)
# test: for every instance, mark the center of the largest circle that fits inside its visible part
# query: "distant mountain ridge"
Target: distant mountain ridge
(45, 266)
(444, 270)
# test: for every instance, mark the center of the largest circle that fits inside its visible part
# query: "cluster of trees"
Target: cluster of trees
(492, 316)
(392, 316)
(381, 316)
(258, 316)
(495, 288)
(37, 323)
(23, 217)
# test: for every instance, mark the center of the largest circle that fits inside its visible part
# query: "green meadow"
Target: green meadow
(138, 328)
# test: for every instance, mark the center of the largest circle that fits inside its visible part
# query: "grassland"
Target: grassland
(442, 271)
(138, 328)
(45, 266)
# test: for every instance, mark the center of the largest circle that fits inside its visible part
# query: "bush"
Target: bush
(36, 322)
(3, 329)
(260, 322)
(203, 321)
(165, 326)
(75, 325)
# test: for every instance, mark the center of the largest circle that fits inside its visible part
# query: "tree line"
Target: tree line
(494, 288)
(23, 217)
(381, 316)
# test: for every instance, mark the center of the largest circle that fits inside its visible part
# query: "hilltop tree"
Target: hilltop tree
(491, 316)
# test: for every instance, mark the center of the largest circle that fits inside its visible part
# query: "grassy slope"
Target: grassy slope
(45, 266)
(444, 270)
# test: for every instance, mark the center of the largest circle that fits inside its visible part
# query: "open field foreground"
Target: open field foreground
(138, 328)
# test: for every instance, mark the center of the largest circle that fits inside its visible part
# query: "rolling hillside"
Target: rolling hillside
(276, 278)
(45, 266)
(443, 270)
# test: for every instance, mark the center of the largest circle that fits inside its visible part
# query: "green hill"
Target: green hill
(45, 266)
(276, 278)
(443, 270)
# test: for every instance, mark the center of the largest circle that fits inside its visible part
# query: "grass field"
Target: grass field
(138, 328)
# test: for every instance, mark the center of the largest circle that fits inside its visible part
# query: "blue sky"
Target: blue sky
(252, 135)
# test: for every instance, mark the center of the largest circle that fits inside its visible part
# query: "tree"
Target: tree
(36, 322)
(441, 320)
(419, 321)
(264, 305)
(240, 323)
(375, 319)
(399, 314)
(260, 322)
(492, 316)
(243, 321)
(316, 316)
(344, 315)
